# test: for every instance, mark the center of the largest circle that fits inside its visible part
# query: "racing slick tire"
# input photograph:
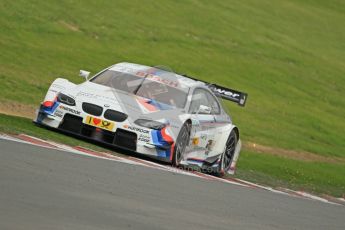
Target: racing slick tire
(228, 155)
(181, 143)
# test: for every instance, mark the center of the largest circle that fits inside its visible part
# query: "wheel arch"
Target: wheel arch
(236, 153)
(189, 121)
(222, 137)
(237, 131)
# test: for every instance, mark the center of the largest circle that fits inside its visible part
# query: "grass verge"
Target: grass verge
(275, 171)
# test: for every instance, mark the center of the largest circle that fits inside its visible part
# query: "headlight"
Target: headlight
(150, 124)
(65, 99)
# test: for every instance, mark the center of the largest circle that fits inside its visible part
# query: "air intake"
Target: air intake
(126, 139)
(115, 115)
(92, 109)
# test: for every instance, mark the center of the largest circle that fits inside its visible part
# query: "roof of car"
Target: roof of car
(156, 71)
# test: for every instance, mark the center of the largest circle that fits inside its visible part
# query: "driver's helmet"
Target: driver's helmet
(152, 88)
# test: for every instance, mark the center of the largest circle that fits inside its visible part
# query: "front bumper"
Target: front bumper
(121, 137)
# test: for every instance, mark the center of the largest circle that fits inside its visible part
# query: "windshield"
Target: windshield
(163, 88)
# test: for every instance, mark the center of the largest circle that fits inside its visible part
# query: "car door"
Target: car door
(202, 109)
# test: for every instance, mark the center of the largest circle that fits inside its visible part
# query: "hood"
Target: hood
(110, 98)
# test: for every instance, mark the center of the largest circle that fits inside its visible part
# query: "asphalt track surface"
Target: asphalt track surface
(50, 189)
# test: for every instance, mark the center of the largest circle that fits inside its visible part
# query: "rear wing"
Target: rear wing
(229, 94)
(226, 93)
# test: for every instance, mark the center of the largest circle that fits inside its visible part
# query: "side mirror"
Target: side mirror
(203, 109)
(85, 74)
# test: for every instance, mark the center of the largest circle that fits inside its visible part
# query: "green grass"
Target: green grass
(320, 178)
(288, 55)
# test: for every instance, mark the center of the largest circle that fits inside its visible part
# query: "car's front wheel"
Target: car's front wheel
(181, 143)
(228, 154)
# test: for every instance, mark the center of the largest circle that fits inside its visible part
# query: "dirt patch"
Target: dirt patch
(291, 154)
(17, 109)
(69, 26)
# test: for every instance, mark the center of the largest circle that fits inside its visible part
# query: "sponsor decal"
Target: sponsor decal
(100, 123)
(195, 140)
(58, 113)
(203, 137)
(227, 93)
(94, 96)
(69, 110)
(140, 130)
(157, 79)
(144, 138)
(209, 146)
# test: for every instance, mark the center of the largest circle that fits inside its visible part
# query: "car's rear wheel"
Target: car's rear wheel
(181, 143)
(228, 154)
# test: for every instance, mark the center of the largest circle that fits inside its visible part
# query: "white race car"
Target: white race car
(151, 111)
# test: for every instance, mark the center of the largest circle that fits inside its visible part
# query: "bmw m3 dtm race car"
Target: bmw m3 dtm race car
(151, 111)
